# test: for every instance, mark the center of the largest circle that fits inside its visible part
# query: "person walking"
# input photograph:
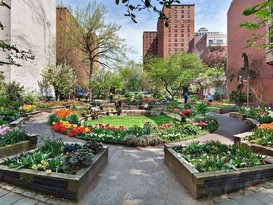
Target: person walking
(186, 96)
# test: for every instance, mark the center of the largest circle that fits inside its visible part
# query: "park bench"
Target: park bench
(240, 137)
(18, 123)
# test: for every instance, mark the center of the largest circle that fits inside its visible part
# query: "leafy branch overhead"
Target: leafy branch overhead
(146, 5)
(263, 16)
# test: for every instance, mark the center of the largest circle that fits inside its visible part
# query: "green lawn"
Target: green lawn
(130, 121)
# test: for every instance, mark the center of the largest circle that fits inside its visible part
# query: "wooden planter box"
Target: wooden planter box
(222, 111)
(18, 147)
(237, 115)
(240, 139)
(58, 184)
(214, 183)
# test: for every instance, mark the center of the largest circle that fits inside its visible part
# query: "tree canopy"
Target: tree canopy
(263, 17)
(175, 72)
(146, 5)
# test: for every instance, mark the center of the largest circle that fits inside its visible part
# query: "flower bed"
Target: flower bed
(64, 171)
(209, 175)
(261, 140)
(13, 141)
(150, 135)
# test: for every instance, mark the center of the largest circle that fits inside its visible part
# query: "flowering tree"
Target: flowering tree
(62, 78)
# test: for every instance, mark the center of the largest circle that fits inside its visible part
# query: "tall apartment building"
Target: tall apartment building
(177, 36)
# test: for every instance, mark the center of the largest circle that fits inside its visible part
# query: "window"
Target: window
(175, 40)
(182, 21)
(169, 40)
(182, 11)
(175, 16)
(182, 34)
(182, 30)
(182, 39)
(189, 20)
(175, 25)
(188, 35)
(182, 16)
(189, 39)
(170, 45)
(175, 45)
(210, 42)
(182, 44)
(175, 35)
(189, 16)
(175, 30)
(170, 35)
(219, 41)
(182, 25)
(189, 7)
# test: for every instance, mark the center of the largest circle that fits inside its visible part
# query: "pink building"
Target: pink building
(259, 60)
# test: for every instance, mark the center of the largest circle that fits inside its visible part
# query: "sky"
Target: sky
(211, 14)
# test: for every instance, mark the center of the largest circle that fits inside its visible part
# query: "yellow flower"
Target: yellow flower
(34, 167)
(48, 171)
(44, 163)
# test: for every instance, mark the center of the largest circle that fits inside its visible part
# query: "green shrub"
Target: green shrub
(53, 118)
(29, 98)
(201, 108)
(73, 118)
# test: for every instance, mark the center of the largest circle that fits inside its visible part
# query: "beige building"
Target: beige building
(30, 25)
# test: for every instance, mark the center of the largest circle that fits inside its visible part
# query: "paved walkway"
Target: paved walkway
(139, 176)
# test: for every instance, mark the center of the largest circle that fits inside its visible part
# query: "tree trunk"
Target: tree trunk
(90, 78)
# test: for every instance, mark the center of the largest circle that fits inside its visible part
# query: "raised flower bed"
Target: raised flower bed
(202, 180)
(13, 141)
(260, 141)
(79, 171)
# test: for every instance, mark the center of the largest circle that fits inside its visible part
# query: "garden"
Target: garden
(137, 130)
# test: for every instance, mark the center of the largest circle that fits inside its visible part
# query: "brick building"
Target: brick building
(258, 60)
(208, 42)
(150, 41)
(177, 36)
(67, 50)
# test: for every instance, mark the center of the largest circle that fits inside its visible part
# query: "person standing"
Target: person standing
(186, 96)
(209, 97)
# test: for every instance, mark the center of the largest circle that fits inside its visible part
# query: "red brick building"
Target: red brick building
(67, 51)
(150, 41)
(261, 81)
(177, 36)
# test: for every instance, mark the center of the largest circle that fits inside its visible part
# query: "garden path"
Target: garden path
(139, 176)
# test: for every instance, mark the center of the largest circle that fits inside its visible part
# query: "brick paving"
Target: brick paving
(139, 176)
